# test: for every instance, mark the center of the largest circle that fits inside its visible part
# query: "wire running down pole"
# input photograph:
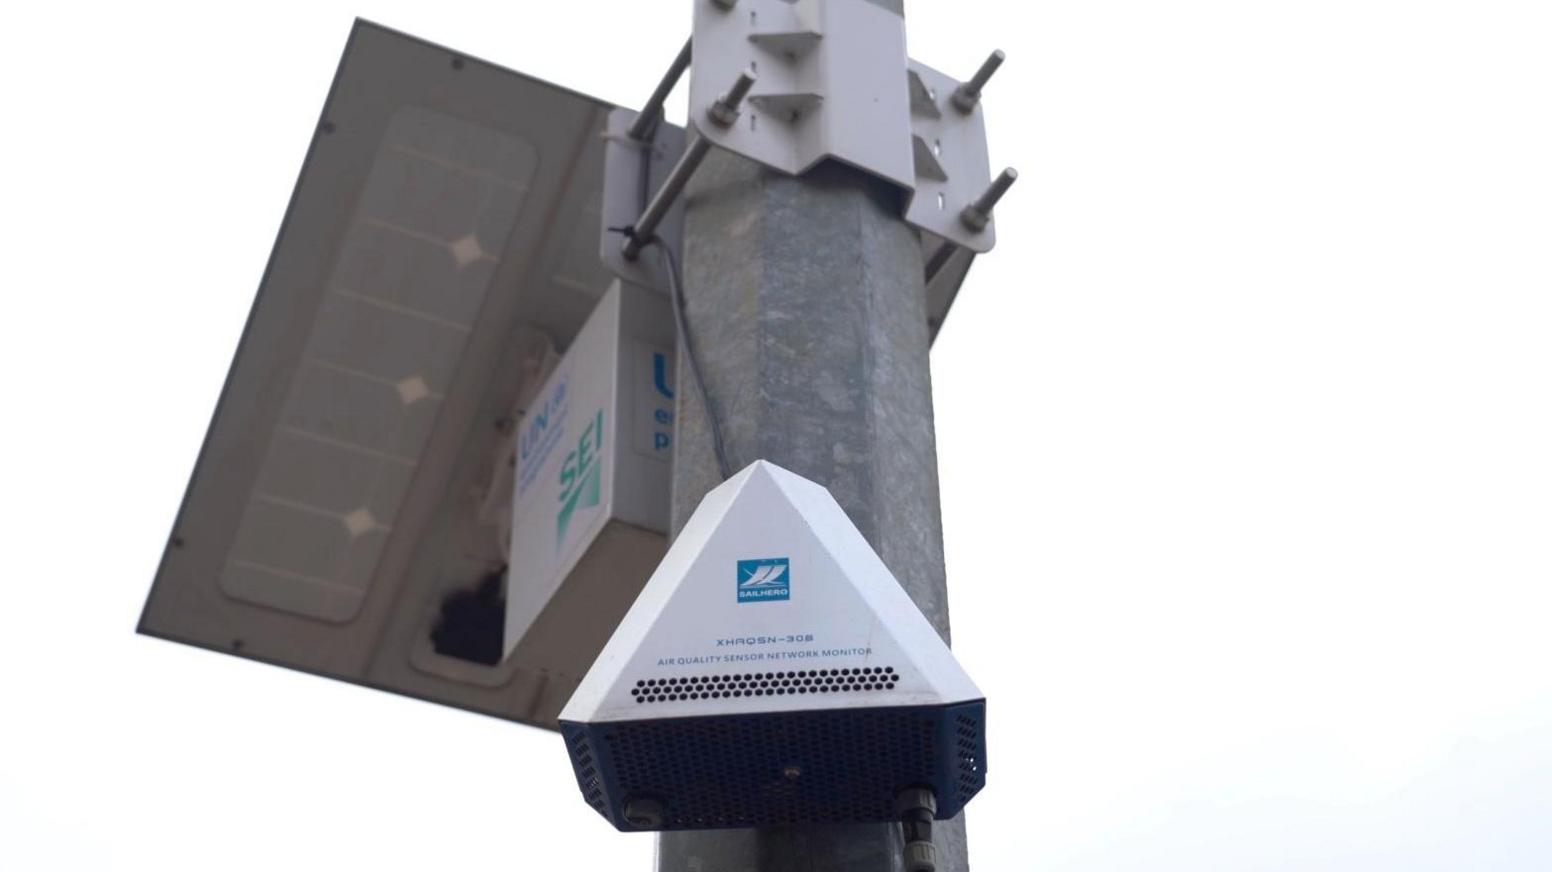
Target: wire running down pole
(646, 226)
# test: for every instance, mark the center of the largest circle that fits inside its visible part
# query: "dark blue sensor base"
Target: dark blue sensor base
(754, 770)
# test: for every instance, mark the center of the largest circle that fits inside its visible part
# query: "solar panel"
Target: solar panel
(440, 246)
(395, 319)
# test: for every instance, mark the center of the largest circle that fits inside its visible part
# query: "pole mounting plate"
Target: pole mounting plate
(951, 163)
(833, 82)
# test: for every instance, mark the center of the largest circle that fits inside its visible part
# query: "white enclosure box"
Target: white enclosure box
(591, 498)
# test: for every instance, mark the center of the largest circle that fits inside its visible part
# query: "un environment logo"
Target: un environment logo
(764, 581)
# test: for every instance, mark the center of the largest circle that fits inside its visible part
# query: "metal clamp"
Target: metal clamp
(952, 169)
(819, 80)
(632, 170)
(830, 88)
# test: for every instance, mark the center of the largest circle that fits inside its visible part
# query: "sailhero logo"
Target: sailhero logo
(764, 581)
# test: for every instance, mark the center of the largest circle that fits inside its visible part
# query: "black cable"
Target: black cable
(676, 296)
(682, 326)
(676, 302)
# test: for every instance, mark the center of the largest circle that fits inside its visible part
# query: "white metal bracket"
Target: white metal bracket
(831, 80)
(948, 148)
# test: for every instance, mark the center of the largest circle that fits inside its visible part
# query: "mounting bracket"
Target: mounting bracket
(831, 80)
(634, 168)
(791, 83)
(948, 147)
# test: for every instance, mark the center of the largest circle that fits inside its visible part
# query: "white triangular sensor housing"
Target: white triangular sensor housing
(773, 671)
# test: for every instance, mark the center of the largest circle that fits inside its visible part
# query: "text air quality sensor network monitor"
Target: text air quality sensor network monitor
(348, 514)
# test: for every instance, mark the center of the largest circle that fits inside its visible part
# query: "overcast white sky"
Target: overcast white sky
(1245, 433)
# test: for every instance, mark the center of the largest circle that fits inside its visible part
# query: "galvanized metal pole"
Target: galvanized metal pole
(806, 305)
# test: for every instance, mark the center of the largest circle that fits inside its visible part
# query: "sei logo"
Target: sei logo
(580, 477)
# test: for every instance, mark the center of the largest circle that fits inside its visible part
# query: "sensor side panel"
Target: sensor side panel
(775, 769)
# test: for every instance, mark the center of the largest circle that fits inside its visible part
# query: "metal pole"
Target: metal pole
(663, 200)
(652, 113)
(806, 301)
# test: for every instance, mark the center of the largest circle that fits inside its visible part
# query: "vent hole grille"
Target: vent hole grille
(587, 772)
(969, 742)
(776, 769)
(869, 679)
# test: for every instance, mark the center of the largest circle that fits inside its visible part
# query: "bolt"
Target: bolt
(969, 93)
(725, 111)
(979, 214)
